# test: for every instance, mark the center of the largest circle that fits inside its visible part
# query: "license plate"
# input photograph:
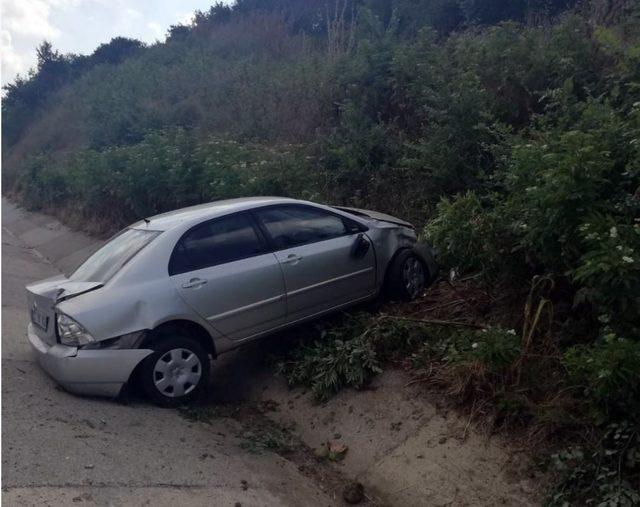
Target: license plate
(39, 319)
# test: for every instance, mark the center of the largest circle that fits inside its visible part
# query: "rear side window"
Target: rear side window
(108, 260)
(223, 240)
(291, 226)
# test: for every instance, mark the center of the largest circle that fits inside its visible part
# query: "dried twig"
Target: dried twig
(471, 305)
(435, 322)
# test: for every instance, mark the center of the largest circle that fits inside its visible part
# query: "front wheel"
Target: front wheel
(177, 372)
(406, 277)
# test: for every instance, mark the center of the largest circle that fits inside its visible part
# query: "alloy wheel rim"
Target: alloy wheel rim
(177, 372)
(413, 276)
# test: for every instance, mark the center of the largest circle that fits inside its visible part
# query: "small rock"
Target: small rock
(238, 504)
(89, 467)
(443, 440)
(337, 436)
(245, 485)
(353, 493)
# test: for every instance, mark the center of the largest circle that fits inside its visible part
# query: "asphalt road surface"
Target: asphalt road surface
(61, 449)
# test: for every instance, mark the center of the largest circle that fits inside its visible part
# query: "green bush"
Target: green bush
(603, 473)
(349, 353)
(167, 169)
(607, 375)
(468, 236)
(564, 205)
(496, 348)
(609, 268)
(331, 363)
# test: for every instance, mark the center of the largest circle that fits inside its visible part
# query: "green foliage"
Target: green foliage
(468, 236)
(609, 266)
(272, 438)
(165, 170)
(608, 376)
(349, 353)
(496, 348)
(332, 362)
(604, 474)
(565, 205)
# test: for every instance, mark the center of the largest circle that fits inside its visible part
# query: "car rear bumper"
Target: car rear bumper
(94, 372)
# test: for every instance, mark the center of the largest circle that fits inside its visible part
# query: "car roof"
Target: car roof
(198, 213)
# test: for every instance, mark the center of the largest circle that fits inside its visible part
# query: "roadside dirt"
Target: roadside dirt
(402, 445)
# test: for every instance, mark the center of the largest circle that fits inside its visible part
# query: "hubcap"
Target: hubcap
(413, 277)
(177, 372)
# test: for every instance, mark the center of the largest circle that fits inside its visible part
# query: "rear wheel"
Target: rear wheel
(406, 277)
(177, 372)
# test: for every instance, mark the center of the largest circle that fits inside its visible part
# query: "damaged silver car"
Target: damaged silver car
(167, 294)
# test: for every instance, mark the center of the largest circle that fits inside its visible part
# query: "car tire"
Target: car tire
(177, 372)
(407, 276)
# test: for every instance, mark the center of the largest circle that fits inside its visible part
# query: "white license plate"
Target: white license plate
(39, 319)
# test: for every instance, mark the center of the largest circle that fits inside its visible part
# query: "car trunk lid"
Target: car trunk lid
(42, 298)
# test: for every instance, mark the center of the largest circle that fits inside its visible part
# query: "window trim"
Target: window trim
(264, 243)
(359, 228)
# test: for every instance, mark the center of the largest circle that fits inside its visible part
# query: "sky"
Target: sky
(79, 26)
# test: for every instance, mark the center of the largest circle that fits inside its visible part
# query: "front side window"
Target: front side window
(108, 260)
(223, 240)
(291, 226)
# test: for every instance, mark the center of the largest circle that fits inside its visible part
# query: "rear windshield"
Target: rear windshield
(107, 261)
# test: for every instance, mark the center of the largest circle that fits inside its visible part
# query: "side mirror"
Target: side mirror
(360, 247)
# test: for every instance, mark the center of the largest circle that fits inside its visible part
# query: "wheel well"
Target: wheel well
(425, 264)
(393, 258)
(195, 331)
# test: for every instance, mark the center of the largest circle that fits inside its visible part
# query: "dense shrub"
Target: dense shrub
(606, 473)
(469, 236)
(564, 204)
(165, 170)
(328, 365)
(608, 374)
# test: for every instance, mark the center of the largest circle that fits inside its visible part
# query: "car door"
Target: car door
(316, 251)
(224, 270)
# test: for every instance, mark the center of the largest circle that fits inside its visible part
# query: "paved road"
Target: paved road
(60, 449)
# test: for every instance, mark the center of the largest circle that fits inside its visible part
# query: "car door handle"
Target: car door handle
(194, 283)
(292, 259)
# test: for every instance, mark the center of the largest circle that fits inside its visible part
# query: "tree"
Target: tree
(117, 50)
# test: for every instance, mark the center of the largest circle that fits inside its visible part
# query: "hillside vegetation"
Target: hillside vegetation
(508, 131)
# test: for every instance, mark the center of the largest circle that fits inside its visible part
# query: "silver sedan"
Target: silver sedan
(166, 294)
